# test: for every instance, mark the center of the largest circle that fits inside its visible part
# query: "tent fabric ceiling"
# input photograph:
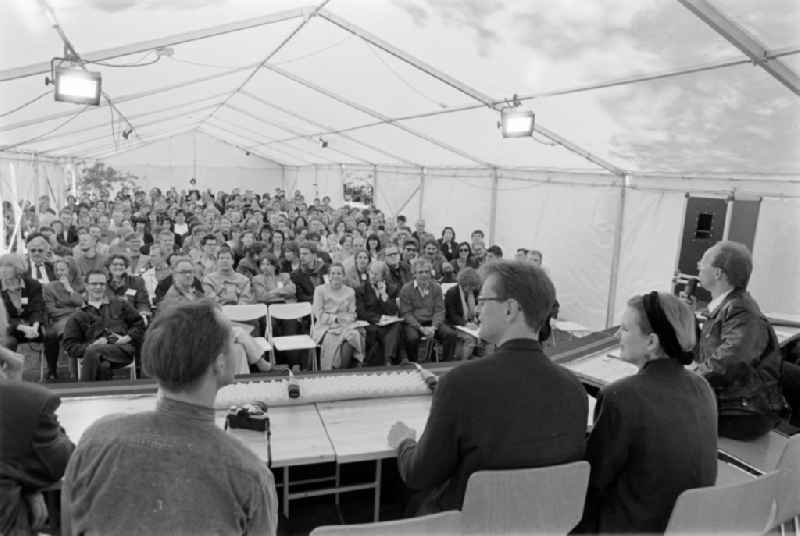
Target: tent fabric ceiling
(326, 84)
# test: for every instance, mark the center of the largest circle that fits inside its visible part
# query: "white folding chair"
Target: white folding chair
(248, 313)
(442, 523)
(788, 494)
(746, 508)
(542, 500)
(38, 349)
(292, 311)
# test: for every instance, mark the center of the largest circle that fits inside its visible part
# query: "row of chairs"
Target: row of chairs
(550, 500)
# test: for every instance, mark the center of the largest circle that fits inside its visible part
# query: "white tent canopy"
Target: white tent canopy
(637, 103)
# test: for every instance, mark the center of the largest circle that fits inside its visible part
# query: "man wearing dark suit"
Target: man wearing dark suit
(40, 269)
(372, 303)
(512, 409)
(34, 449)
(398, 273)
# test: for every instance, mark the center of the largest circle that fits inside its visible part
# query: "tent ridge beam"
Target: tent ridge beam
(235, 146)
(307, 139)
(375, 114)
(744, 41)
(251, 148)
(175, 39)
(328, 127)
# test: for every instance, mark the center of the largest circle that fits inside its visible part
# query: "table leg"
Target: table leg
(286, 492)
(377, 489)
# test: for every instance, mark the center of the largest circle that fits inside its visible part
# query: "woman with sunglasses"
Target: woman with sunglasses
(464, 258)
(448, 244)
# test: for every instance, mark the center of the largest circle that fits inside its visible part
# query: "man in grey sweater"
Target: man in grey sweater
(172, 470)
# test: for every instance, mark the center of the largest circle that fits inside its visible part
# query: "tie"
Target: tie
(38, 272)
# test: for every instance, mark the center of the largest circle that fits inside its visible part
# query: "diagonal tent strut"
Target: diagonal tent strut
(252, 136)
(269, 56)
(153, 44)
(460, 86)
(377, 115)
(328, 127)
(239, 147)
(103, 151)
(744, 41)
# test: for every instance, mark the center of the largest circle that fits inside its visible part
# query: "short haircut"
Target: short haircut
(35, 236)
(430, 241)
(166, 232)
(116, 256)
(536, 252)
(495, 250)
(678, 314)
(528, 285)
(208, 237)
(336, 265)
(735, 260)
(94, 272)
(420, 262)
(309, 245)
(410, 242)
(182, 342)
(175, 259)
(225, 250)
(469, 278)
(379, 266)
(477, 232)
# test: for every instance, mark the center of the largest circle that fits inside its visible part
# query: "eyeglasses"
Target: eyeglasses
(411, 250)
(36, 250)
(464, 250)
(482, 299)
(118, 264)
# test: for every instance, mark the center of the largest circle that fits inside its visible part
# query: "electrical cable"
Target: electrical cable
(126, 65)
(26, 104)
(403, 80)
(40, 136)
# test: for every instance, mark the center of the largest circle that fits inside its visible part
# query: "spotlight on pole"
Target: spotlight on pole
(77, 86)
(516, 123)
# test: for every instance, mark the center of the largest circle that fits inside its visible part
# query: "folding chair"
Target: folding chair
(746, 508)
(292, 311)
(37, 348)
(75, 367)
(542, 500)
(248, 313)
(442, 523)
(788, 494)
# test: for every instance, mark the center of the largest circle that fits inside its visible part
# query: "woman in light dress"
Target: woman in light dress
(336, 330)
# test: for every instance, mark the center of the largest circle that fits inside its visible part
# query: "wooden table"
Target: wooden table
(358, 431)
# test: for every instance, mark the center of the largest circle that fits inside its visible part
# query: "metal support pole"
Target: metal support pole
(493, 208)
(421, 191)
(615, 258)
(374, 185)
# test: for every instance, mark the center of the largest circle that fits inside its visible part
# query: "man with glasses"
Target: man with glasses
(183, 288)
(41, 269)
(410, 251)
(422, 309)
(510, 410)
(105, 333)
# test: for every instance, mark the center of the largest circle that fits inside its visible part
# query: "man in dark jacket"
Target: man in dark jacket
(398, 274)
(738, 350)
(513, 409)
(373, 304)
(105, 333)
(310, 274)
(34, 449)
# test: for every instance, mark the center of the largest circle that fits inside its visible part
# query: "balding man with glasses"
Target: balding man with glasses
(41, 269)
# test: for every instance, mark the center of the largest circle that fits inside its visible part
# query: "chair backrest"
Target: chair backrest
(243, 313)
(289, 311)
(442, 523)
(545, 500)
(746, 508)
(788, 494)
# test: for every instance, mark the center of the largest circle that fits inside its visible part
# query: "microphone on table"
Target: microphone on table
(294, 387)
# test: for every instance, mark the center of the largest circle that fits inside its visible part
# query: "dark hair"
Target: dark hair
(528, 285)
(469, 277)
(309, 245)
(375, 237)
(495, 250)
(111, 259)
(464, 245)
(95, 271)
(182, 342)
(208, 237)
(410, 242)
(448, 228)
(256, 248)
(477, 231)
(225, 250)
(429, 242)
(735, 260)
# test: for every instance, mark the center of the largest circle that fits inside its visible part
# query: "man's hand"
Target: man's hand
(428, 331)
(37, 509)
(123, 339)
(398, 433)
(30, 332)
(101, 340)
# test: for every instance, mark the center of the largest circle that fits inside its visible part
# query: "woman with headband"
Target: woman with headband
(654, 433)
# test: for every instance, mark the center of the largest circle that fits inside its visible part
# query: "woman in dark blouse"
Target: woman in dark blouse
(654, 433)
